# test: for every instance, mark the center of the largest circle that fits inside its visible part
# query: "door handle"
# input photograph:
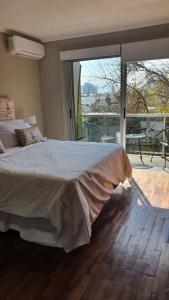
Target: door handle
(70, 113)
(124, 113)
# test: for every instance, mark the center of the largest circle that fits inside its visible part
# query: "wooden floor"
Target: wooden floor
(128, 257)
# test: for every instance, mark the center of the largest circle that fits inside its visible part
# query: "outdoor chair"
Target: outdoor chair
(162, 139)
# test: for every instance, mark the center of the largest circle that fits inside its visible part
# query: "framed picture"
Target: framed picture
(7, 111)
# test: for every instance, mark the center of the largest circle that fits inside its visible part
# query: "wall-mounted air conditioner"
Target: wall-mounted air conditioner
(26, 48)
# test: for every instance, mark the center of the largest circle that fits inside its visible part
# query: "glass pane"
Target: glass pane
(97, 100)
(147, 104)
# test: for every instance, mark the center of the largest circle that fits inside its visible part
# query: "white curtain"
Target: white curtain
(68, 93)
(145, 50)
(77, 97)
(88, 53)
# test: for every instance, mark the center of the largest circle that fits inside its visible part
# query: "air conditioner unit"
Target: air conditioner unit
(26, 48)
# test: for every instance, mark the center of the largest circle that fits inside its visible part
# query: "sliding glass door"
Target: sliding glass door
(147, 104)
(97, 94)
(120, 98)
(125, 103)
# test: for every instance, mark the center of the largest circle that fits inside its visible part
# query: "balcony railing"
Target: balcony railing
(105, 127)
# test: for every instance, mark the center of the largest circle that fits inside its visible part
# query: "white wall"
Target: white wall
(20, 80)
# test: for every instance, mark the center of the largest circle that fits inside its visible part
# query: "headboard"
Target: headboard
(7, 111)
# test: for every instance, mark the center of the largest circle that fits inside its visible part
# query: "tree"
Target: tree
(151, 84)
(147, 84)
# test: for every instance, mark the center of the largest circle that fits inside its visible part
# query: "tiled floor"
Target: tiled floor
(156, 165)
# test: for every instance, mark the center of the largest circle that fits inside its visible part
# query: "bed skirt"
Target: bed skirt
(38, 230)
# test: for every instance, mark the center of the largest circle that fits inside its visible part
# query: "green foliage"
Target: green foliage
(148, 87)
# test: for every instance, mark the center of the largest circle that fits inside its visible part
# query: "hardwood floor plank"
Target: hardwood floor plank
(127, 258)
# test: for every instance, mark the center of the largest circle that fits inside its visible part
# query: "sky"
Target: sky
(91, 69)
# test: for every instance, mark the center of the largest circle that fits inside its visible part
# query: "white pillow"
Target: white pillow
(7, 132)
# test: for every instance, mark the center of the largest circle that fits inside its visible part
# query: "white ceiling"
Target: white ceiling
(50, 20)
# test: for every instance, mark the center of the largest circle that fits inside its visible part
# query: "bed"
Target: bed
(52, 191)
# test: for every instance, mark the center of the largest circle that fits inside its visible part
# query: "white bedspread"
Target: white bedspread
(65, 182)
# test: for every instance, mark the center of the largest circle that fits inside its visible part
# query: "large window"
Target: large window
(147, 101)
(98, 99)
(122, 95)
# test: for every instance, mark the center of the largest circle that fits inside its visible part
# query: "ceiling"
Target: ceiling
(50, 20)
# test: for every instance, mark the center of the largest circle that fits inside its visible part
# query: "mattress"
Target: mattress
(66, 183)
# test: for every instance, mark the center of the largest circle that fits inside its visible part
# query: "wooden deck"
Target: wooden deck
(128, 257)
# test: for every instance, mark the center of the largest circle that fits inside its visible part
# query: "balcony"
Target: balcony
(105, 127)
